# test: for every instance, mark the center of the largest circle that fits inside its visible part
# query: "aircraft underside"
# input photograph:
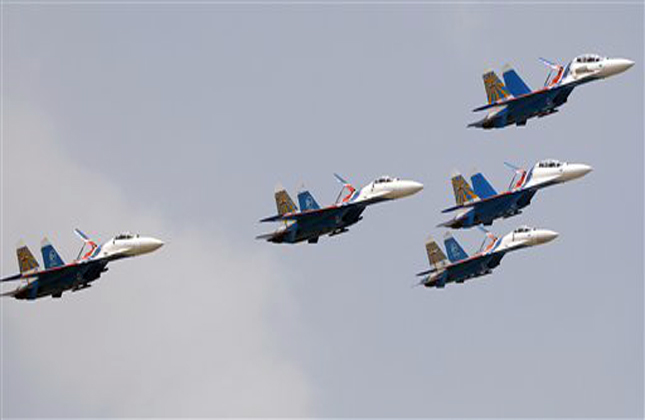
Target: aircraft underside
(55, 287)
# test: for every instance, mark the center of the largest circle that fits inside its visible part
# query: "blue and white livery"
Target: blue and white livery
(459, 267)
(91, 262)
(481, 204)
(513, 102)
(311, 221)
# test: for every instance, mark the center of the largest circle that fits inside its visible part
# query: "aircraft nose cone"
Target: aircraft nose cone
(414, 187)
(624, 64)
(156, 243)
(584, 169)
(619, 65)
(151, 244)
(547, 236)
(576, 170)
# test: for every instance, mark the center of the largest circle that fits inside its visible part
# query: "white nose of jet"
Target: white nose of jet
(575, 170)
(410, 187)
(615, 66)
(543, 236)
(147, 245)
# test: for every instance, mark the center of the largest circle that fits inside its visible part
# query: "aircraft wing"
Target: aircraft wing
(314, 214)
(461, 264)
(491, 260)
(560, 92)
(11, 278)
(425, 273)
(340, 209)
(495, 200)
(91, 268)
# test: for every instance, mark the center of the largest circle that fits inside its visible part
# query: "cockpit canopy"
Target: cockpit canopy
(588, 58)
(523, 229)
(384, 179)
(125, 235)
(550, 163)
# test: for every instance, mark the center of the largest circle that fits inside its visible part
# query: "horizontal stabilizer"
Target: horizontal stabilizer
(514, 82)
(11, 293)
(482, 187)
(265, 236)
(454, 250)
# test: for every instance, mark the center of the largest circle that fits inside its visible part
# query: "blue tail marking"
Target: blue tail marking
(50, 256)
(481, 186)
(453, 249)
(514, 83)
(307, 201)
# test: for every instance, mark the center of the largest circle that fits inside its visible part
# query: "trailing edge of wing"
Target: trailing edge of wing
(11, 278)
(528, 96)
(493, 105)
(487, 200)
(453, 208)
(425, 273)
(310, 213)
(275, 218)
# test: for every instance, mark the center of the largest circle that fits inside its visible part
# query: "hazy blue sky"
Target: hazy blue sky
(177, 121)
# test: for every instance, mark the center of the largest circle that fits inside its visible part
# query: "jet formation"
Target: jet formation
(311, 221)
(509, 102)
(91, 262)
(481, 204)
(459, 267)
(513, 102)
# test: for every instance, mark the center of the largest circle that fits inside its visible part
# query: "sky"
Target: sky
(177, 121)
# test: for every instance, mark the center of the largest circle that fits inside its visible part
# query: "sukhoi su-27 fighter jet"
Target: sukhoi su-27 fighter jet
(481, 204)
(311, 221)
(459, 267)
(513, 102)
(91, 262)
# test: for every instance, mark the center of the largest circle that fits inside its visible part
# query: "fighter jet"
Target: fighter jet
(481, 204)
(312, 221)
(91, 262)
(459, 267)
(513, 102)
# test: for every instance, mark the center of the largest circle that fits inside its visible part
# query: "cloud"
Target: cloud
(194, 329)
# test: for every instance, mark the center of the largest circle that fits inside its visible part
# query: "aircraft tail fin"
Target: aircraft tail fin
(463, 192)
(283, 201)
(436, 257)
(514, 82)
(495, 89)
(454, 250)
(481, 186)
(51, 258)
(307, 201)
(26, 261)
